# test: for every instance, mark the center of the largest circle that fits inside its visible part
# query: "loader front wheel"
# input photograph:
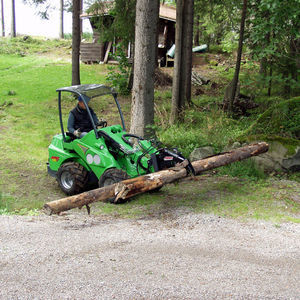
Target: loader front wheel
(72, 178)
(112, 176)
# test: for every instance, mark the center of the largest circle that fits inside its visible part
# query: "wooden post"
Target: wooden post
(131, 187)
(107, 53)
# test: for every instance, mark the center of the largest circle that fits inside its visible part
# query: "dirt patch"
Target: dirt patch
(162, 79)
(2, 129)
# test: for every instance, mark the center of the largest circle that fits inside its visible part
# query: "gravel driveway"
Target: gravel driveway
(188, 257)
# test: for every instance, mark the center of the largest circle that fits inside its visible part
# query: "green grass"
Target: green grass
(32, 118)
(29, 119)
(29, 122)
(29, 45)
(223, 196)
(204, 124)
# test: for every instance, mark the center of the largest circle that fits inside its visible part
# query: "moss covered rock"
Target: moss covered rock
(282, 119)
(283, 154)
(279, 126)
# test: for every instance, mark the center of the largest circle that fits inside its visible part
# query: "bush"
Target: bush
(28, 45)
(282, 119)
(118, 76)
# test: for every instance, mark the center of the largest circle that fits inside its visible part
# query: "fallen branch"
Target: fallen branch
(198, 79)
(131, 187)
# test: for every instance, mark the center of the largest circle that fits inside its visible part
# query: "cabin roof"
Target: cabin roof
(165, 12)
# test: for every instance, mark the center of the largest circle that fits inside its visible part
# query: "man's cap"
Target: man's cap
(87, 99)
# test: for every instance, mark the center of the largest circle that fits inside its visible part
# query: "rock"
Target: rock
(202, 152)
(235, 145)
(279, 158)
(283, 154)
(11, 93)
(292, 163)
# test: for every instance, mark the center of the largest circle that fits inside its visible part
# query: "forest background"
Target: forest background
(31, 72)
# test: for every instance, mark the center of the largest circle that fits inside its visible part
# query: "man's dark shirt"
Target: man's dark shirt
(79, 119)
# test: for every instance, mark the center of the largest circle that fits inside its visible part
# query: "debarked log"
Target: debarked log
(134, 186)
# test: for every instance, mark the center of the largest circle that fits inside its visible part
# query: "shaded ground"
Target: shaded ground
(188, 257)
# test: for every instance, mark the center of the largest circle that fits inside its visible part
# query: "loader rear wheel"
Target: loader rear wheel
(112, 176)
(72, 178)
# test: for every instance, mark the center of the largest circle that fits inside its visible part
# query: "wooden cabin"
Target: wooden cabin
(98, 51)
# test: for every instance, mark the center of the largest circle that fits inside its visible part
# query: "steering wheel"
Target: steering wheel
(129, 135)
(102, 123)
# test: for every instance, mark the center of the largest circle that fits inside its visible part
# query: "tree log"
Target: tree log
(134, 186)
(198, 79)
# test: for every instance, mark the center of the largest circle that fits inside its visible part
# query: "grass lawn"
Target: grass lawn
(29, 119)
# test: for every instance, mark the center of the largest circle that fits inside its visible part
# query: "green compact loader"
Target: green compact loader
(106, 154)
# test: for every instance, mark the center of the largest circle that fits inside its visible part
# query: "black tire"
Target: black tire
(72, 178)
(112, 176)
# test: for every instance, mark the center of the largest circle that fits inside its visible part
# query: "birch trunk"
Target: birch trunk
(2, 18)
(13, 19)
(61, 19)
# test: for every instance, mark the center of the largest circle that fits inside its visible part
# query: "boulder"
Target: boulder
(280, 157)
(202, 152)
(292, 163)
(235, 145)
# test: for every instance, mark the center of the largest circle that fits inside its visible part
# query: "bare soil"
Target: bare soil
(191, 256)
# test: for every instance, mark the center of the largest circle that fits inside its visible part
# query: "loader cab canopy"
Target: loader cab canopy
(87, 92)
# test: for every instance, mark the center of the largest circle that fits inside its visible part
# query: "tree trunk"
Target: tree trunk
(186, 58)
(80, 20)
(181, 92)
(234, 83)
(293, 58)
(2, 19)
(61, 19)
(287, 84)
(197, 34)
(263, 67)
(297, 54)
(142, 111)
(175, 109)
(270, 80)
(13, 19)
(156, 41)
(131, 187)
(76, 34)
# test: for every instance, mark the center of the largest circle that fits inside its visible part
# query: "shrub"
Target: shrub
(282, 119)
(118, 76)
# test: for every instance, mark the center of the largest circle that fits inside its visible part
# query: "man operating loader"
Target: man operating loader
(79, 122)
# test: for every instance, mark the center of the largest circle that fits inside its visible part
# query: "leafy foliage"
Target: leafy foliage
(204, 124)
(282, 119)
(274, 40)
(218, 22)
(119, 24)
(118, 76)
